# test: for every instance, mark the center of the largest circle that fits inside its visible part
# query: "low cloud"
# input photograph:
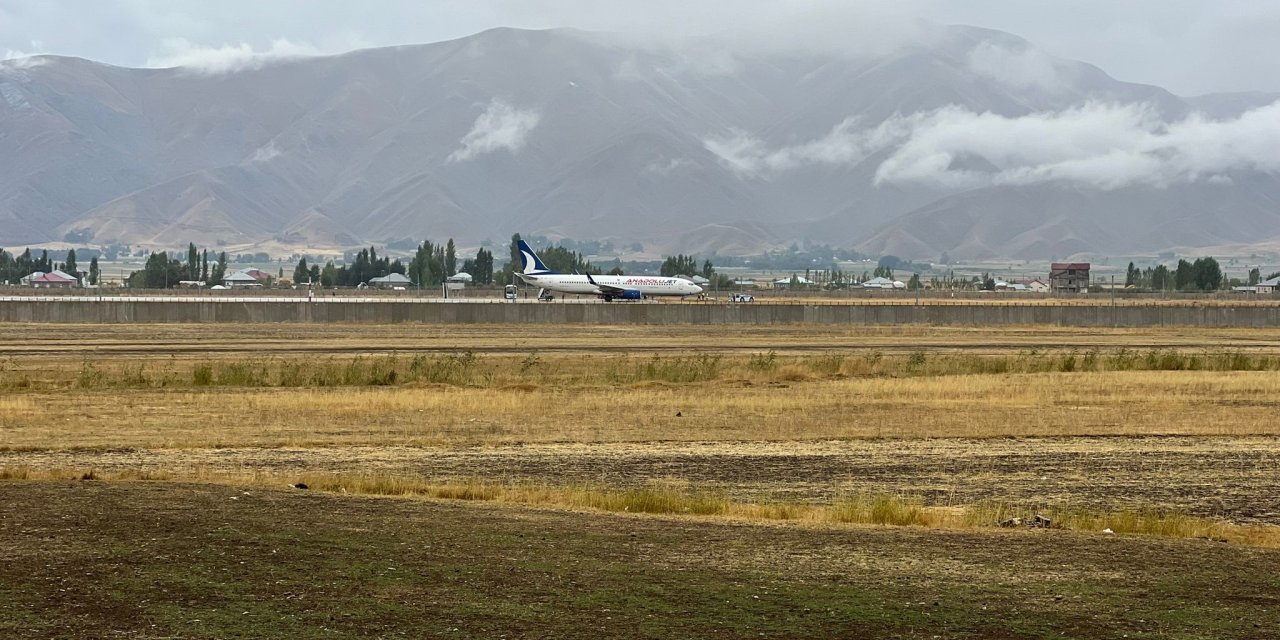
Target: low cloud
(16, 59)
(857, 29)
(501, 126)
(1018, 68)
(667, 167)
(180, 52)
(19, 60)
(1096, 145)
(265, 153)
(846, 144)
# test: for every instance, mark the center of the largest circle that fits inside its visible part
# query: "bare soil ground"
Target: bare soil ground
(1229, 478)
(94, 560)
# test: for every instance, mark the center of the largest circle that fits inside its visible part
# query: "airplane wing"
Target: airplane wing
(606, 288)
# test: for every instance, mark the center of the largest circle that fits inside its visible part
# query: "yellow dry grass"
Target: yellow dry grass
(325, 386)
(673, 497)
(970, 406)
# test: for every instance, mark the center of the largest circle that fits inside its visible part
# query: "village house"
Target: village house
(1069, 277)
(391, 281)
(243, 279)
(55, 279)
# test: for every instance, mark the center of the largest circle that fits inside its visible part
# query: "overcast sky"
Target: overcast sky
(1187, 46)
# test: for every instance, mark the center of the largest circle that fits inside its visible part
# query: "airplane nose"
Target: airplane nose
(697, 289)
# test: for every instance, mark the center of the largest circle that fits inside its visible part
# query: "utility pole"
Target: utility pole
(1113, 301)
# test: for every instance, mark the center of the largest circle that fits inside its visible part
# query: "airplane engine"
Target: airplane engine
(627, 294)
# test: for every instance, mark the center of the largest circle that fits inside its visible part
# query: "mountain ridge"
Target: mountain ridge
(562, 132)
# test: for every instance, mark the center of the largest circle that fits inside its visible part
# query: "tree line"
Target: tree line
(163, 272)
(14, 268)
(1203, 274)
(366, 266)
(429, 266)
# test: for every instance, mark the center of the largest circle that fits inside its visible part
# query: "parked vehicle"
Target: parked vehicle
(742, 297)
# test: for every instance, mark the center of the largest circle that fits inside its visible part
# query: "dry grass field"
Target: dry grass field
(1166, 432)
(804, 413)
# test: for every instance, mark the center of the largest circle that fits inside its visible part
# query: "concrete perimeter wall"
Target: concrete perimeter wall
(107, 310)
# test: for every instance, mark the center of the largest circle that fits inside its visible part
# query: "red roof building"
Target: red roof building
(54, 280)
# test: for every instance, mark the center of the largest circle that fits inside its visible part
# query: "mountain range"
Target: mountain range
(969, 142)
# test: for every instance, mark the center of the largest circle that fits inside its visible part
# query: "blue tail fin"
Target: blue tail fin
(530, 264)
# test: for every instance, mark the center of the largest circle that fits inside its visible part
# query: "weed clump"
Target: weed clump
(677, 370)
(763, 362)
(916, 360)
(831, 364)
(879, 509)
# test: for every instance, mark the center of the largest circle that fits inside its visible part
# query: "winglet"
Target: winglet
(530, 264)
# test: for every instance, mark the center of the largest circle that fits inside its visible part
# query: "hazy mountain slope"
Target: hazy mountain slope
(1051, 221)
(1231, 105)
(584, 135)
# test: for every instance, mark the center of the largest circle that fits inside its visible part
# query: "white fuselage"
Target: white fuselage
(646, 285)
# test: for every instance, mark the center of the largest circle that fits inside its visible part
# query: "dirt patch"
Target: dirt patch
(1231, 478)
(93, 559)
(204, 340)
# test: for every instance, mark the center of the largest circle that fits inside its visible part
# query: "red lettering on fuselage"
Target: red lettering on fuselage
(650, 281)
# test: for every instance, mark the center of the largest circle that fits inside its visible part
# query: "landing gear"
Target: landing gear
(608, 298)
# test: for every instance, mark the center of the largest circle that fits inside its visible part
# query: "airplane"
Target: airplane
(533, 272)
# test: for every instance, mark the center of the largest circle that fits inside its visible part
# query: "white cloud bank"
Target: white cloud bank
(1102, 146)
(846, 144)
(501, 126)
(16, 59)
(180, 52)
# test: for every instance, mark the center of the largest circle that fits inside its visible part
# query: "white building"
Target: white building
(799, 281)
(242, 280)
(883, 283)
(391, 281)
